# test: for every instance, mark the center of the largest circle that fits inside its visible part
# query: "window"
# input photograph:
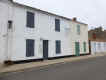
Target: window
(9, 24)
(30, 47)
(57, 25)
(58, 47)
(84, 44)
(30, 19)
(78, 29)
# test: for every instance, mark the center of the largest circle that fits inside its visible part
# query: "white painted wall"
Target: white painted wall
(13, 45)
(98, 47)
(83, 37)
(6, 14)
(44, 30)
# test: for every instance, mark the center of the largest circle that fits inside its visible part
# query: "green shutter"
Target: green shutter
(58, 47)
(78, 29)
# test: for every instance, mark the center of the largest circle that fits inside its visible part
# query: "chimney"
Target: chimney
(74, 19)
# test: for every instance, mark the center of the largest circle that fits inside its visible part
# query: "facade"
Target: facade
(97, 39)
(28, 33)
(79, 38)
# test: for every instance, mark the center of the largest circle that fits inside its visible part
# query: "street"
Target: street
(88, 69)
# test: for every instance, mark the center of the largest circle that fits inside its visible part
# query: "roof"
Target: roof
(46, 12)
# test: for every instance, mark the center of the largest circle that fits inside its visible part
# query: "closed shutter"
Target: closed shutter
(78, 29)
(57, 25)
(30, 47)
(58, 47)
(30, 19)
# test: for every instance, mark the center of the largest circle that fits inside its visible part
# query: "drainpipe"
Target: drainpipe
(90, 47)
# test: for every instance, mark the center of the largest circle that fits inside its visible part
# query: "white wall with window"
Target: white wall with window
(30, 27)
(79, 34)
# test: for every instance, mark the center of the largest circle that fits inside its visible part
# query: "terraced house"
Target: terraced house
(27, 33)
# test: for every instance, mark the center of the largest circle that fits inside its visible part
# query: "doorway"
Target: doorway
(77, 49)
(45, 49)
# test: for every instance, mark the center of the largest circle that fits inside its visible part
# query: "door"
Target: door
(45, 49)
(77, 49)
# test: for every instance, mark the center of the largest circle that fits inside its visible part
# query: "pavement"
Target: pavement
(22, 67)
(84, 69)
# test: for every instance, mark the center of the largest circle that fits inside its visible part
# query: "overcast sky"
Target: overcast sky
(92, 12)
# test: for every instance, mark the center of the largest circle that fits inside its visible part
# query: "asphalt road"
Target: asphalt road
(89, 69)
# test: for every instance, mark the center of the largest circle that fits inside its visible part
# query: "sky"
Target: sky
(92, 12)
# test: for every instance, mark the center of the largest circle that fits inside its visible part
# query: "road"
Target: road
(88, 69)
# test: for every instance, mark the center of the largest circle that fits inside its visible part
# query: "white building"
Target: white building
(28, 33)
(79, 38)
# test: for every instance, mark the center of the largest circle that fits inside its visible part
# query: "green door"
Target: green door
(77, 49)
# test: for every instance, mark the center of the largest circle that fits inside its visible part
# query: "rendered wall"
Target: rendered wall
(13, 42)
(83, 37)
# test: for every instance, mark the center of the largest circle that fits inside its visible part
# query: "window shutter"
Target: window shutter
(78, 29)
(29, 48)
(58, 47)
(30, 19)
(57, 25)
